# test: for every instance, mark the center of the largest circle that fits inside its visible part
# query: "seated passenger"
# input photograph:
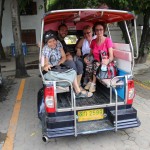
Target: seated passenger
(55, 56)
(83, 49)
(77, 64)
(83, 46)
(99, 46)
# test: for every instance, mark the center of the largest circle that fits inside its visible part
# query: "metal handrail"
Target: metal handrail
(75, 118)
(116, 77)
(72, 93)
(131, 45)
(136, 40)
(116, 112)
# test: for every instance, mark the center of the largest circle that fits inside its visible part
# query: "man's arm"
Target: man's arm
(63, 58)
(79, 46)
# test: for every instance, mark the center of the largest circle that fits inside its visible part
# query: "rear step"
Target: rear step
(104, 125)
(127, 118)
(59, 132)
(123, 114)
(128, 124)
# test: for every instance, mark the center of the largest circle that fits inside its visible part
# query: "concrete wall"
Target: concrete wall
(27, 22)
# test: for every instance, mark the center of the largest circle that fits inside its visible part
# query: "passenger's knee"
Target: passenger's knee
(71, 64)
(79, 66)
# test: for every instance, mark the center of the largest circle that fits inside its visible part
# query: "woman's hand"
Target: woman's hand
(105, 61)
(69, 56)
(97, 64)
(86, 61)
(47, 67)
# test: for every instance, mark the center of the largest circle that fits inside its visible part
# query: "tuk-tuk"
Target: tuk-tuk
(110, 107)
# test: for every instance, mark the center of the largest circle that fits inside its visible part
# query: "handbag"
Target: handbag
(61, 68)
(110, 72)
(59, 73)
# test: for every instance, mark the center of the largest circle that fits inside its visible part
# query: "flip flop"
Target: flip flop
(84, 95)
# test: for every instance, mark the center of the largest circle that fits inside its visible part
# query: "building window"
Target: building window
(29, 36)
(30, 9)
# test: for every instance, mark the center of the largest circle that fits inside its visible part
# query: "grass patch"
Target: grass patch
(147, 83)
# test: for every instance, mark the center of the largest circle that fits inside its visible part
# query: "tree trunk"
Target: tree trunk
(124, 31)
(45, 3)
(144, 47)
(16, 27)
(2, 53)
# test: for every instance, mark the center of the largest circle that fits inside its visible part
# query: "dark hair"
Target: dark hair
(99, 23)
(49, 35)
(62, 25)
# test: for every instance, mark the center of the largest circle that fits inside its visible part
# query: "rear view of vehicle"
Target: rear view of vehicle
(110, 108)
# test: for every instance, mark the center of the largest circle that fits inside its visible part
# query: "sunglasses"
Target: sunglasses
(99, 30)
(86, 33)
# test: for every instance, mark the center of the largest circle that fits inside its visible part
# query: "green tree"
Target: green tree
(144, 8)
(65, 4)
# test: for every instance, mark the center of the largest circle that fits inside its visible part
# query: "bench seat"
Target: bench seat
(115, 82)
(123, 59)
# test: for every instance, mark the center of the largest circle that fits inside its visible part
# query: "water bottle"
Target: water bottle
(103, 66)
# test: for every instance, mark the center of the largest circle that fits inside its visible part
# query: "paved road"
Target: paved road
(28, 129)
(142, 84)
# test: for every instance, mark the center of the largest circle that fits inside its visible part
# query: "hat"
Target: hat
(48, 36)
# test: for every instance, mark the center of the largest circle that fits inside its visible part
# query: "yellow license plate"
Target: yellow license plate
(93, 114)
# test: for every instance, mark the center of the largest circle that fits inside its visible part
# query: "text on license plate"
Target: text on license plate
(93, 114)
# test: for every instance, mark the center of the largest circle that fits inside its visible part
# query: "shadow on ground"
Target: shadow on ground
(8, 82)
(32, 65)
(2, 137)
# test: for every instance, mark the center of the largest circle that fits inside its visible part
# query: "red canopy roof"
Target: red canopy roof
(87, 15)
(83, 16)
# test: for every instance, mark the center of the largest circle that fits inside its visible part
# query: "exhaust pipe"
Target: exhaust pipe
(45, 138)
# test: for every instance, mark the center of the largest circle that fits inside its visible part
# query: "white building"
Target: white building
(30, 24)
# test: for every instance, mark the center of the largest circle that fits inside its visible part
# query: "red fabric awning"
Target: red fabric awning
(83, 16)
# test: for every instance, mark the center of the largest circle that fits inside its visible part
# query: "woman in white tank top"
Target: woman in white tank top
(83, 49)
(83, 46)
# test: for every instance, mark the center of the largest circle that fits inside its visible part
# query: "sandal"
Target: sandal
(84, 94)
(92, 87)
(87, 86)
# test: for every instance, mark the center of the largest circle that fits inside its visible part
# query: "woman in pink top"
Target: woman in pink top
(100, 46)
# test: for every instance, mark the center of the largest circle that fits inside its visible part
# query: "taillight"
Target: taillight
(131, 92)
(49, 99)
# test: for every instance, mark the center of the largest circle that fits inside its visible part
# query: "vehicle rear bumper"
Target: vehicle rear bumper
(56, 125)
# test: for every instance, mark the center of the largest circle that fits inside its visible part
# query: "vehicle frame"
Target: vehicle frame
(58, 122)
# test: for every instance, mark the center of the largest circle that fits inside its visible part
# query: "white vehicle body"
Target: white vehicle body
(114, 109)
